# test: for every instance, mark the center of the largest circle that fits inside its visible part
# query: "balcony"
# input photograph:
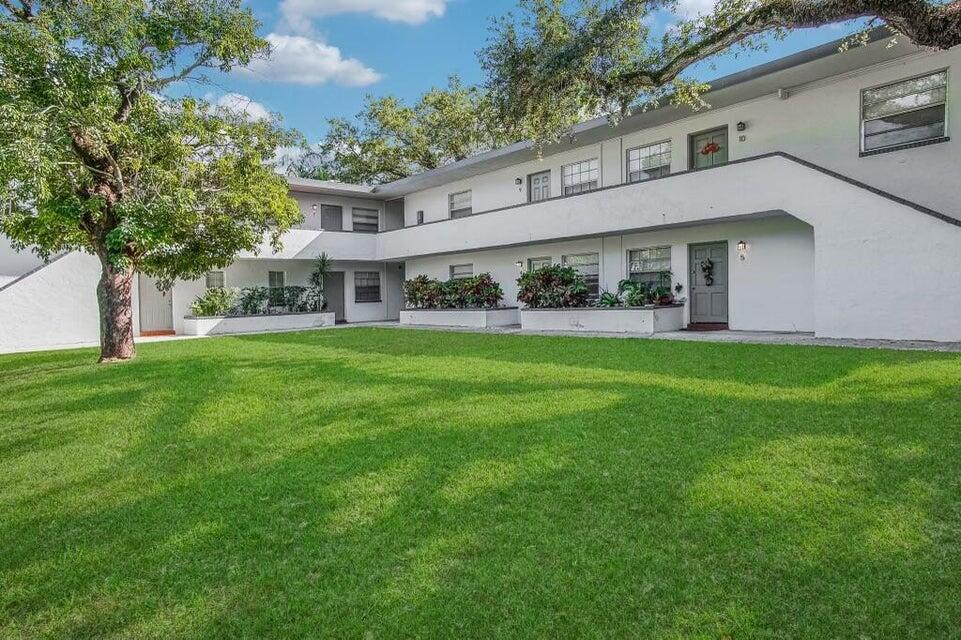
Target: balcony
(307, 244)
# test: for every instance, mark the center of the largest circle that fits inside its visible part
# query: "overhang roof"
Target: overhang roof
(811, 65)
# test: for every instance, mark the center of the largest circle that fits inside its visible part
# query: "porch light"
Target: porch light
(519, 264)
(742, 250)
(518, 181)
(313, 207)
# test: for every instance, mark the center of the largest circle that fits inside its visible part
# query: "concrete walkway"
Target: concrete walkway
(744, 337)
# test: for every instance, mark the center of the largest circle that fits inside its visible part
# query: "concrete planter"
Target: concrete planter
(474, 318)
(644, 321)
(222, 325)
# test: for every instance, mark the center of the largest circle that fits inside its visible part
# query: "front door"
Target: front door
(334, 292)
(539, 186)
(708, 282)
(709, 148)
(156, 308)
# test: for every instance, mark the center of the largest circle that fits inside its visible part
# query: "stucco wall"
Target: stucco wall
(772, 289)
(14, 263)
(819, 122)
(55, 306)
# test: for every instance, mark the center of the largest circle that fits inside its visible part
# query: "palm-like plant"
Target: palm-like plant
(322, 268)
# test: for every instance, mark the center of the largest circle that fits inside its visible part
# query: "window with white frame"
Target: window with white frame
(461, 271)
(579, 177)
(538, 263)
(587, 265)
(275, 288)
(904, 112)
(365, 220)
(651, 161)
(366, 286)
(215, 280)
(459, 204)
(650, 266)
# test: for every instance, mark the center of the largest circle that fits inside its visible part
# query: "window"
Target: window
(275, 288)
(580, 176)
(652, 161)
(275, 279)
(904, 112)
(331, 217)
(460, 204)
(647, 265)
(365, 220)
(461, 271)
(586, 264)
(366, 286)
(420, 217)
(215, 280)
(538, 263)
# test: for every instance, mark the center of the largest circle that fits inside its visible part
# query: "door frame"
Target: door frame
(530, 190)
(145, 283)
(690, 147)
(690, 282)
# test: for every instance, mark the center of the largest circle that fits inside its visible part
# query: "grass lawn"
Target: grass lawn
(379, 483)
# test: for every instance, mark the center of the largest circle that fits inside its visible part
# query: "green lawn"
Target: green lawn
(377, 483)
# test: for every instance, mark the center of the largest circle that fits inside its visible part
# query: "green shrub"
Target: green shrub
(215, 302)
(551, 287)
(478, 292)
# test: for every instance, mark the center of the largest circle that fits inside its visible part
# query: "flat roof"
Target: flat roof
(804, 67)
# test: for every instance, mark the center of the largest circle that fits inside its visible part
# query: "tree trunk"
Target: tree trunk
(115, 298)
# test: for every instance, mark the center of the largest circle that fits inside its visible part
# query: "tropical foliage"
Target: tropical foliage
(478, 292)
(551, 287)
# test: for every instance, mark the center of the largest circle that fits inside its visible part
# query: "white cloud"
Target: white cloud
(692, 8)
(298, 14)
(301, 60)
(239, 103)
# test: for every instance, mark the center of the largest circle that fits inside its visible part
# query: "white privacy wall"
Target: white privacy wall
(55, 306)
(772, 289)
(819, 122)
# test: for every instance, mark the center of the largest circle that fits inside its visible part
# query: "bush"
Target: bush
(215, 302)
(478, 292)
(253, 301)
(552, 287)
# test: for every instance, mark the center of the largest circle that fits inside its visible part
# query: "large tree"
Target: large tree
(94, 157)
(556, 65)
(390, 140)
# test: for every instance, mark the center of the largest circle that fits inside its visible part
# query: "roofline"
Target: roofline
(723, 82)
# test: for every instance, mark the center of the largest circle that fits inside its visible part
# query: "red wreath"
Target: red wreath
(709, 148)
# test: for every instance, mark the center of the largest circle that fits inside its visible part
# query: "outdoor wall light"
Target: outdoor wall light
(742, 126)
(313, 207)
(742, 250)
(518, 181)
(519, 264)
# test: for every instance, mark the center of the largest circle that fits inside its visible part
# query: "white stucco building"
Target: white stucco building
(824, 187)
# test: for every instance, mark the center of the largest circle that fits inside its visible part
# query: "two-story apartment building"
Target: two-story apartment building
(822, 188)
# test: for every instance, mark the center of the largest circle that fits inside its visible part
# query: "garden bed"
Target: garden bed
(474, 318)
(221, 325)
(640, 320)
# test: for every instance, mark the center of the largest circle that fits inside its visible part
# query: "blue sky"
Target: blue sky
(329, 54)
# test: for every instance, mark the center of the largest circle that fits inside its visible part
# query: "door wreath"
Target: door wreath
(707, 268)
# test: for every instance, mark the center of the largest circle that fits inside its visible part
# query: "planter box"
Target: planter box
(474, 318)
(644, 321)
(222, 325)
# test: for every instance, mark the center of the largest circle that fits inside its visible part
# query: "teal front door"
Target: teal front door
(709, 148)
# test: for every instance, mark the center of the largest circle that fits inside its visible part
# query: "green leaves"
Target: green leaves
(94, 157)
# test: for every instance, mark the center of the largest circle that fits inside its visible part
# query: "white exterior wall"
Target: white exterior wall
(55, 306)
(773, 289)
(819, 123)
(15, 263)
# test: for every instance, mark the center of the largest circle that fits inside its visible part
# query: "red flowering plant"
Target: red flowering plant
(709, 148)
(478, 292)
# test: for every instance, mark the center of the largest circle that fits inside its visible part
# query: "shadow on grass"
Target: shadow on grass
(394, 483)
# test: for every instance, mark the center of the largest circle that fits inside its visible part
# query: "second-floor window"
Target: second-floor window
(365, 220)
(579, 177)
(651, 161)
(904, 112)
(460, 204)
